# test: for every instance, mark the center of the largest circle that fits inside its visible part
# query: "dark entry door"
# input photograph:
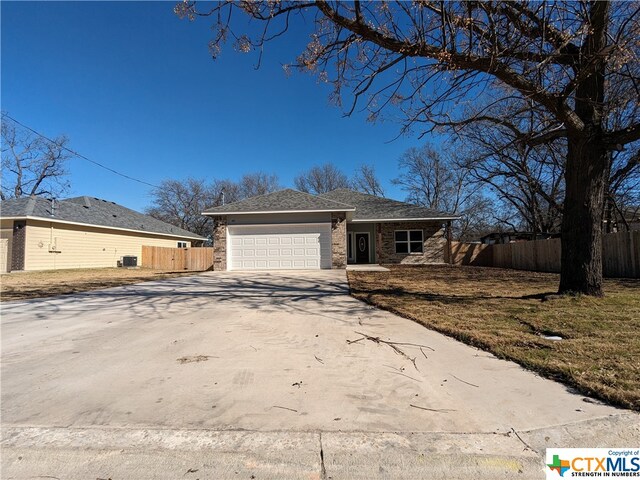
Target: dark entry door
(362, 248)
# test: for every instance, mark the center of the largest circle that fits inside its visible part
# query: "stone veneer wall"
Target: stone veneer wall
(18, 245)
(338, 240)
(219, 243)
(435, 243)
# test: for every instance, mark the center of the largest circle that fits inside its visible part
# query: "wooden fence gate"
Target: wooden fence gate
(196, 259)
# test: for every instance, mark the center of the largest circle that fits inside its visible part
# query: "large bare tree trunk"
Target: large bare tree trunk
(581, 265)
(586, 172)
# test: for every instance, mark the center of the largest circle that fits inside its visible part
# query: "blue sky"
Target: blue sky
(134, 88)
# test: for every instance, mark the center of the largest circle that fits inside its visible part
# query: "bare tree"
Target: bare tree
(577, 60)
(623, 191)
(32, 165)
(365, 180)
(258, 183)
(181, 203)
(321, 179)
(433, 179)
(528, 180)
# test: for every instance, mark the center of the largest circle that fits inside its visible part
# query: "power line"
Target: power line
(76, 154)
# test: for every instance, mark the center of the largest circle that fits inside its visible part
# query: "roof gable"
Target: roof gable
(282, 201)
(90, 211)
(371, 207)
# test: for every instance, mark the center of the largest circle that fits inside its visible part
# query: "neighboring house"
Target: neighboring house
(288, 229)
(81, 232)
(631, 220)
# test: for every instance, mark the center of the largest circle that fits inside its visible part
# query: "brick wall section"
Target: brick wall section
(435, 243)
(338, 240)
(219, 243)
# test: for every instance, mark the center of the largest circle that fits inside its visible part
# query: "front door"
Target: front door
(362, 248)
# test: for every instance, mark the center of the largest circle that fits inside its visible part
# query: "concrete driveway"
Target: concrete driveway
(229, 375)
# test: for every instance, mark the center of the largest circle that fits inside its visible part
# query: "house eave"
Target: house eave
(93, 225)
(390, 220)
(271, 212)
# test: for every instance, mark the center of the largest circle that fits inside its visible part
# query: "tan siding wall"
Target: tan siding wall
(78, 246)
(4, 247)
(6, 231)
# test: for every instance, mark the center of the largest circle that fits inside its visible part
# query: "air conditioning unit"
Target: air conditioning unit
(129, 261)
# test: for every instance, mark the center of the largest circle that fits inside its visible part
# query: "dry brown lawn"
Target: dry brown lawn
(506, 312)
(25, 285)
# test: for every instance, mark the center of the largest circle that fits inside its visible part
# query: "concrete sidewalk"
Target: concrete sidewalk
(252, 372)
(106, 452)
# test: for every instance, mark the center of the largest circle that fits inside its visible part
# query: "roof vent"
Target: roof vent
(87, 202)
(114, 215)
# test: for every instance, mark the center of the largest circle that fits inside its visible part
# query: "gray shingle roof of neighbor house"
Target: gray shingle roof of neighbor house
(282, 201)
(371, 207)
(90, 211)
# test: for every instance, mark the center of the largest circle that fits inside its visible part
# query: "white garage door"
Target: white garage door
(280, 247)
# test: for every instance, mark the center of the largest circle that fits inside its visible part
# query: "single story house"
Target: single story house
(289, 229)
(81, 232)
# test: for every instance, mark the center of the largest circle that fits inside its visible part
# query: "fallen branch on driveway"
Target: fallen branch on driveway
(393, 345)
(379, 340)
(355, 341)
(440, 410)
(399, 373)
(463, 381)
(285, 408)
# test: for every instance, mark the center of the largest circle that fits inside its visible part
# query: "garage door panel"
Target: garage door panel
(303, 246)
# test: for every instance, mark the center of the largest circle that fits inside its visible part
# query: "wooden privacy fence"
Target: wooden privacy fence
(620, 255)
(195, 259)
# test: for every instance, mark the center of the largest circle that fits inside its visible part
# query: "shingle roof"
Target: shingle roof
(287, 200)
(90, 211)
(371, 207)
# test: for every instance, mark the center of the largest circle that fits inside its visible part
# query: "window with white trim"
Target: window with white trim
(182, 244)
(409, 241)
